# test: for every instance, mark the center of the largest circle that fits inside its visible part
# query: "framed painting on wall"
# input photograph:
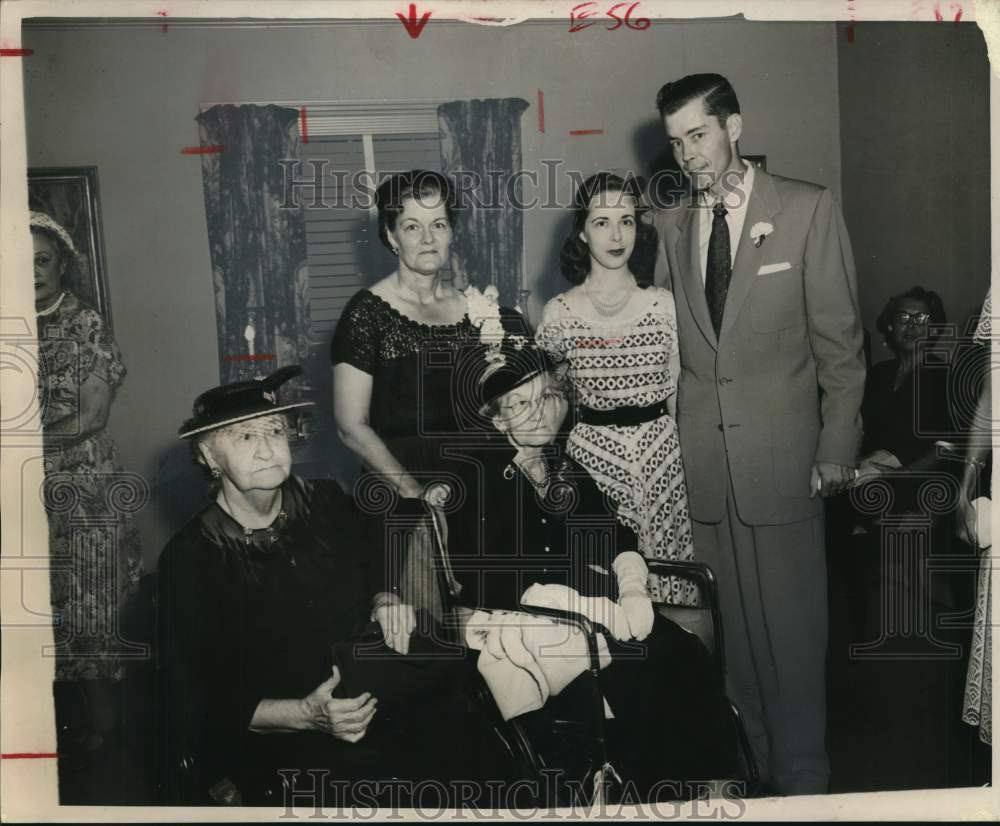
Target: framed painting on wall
(69, 195)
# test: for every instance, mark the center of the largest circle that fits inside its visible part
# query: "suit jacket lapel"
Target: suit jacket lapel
(764, 205)
(688, 253)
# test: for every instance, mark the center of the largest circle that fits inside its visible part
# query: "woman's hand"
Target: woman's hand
(344, 719)
(639, 612)
(969, 523)
(632, 573)
(436, 494)
(397, 620)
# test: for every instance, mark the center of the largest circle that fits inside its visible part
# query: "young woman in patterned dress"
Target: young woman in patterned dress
(618, 336)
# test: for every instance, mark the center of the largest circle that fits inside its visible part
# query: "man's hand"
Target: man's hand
(344, 719)
(397, 620)
(829, 479)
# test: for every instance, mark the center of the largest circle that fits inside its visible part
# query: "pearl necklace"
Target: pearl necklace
(52, 307)
(607, 308)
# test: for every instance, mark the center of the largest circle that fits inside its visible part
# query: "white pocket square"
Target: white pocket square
(767, 269)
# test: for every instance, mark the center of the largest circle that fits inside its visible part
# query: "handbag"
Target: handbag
(396, 680)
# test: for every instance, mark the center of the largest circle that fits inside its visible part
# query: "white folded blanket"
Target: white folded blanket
(526, 659)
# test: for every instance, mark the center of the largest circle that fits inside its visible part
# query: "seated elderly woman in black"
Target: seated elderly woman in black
(532, 515)
(253, 594)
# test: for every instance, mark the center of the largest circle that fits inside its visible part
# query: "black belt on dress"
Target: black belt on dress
(621, 416)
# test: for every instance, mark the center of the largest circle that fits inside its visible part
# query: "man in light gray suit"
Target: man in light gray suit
(772, 375)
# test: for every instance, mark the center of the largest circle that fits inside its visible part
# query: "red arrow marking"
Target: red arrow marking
(411, 24)
(303, 125)
(586, 131)
(541, 111)
(16, 52)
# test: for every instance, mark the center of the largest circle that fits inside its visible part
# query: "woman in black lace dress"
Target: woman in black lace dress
(400, 346)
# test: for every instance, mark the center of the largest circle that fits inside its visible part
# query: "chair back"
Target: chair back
(703, 620)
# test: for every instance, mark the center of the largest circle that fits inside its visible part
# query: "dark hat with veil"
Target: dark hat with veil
(240, 401)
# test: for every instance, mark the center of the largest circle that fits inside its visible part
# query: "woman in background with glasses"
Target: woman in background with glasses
(905, 408)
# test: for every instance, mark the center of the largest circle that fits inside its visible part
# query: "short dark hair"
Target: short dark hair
(720, 98)
(419, 184)
(574, 259)
(935, 306)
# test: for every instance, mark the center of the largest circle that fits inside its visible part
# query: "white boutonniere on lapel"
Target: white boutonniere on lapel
(760, 231)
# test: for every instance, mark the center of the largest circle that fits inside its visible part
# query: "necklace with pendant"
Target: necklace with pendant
(541, 486)
(607, 308)
(271, 530)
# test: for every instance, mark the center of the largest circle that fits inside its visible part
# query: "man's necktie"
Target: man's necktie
(719, 266)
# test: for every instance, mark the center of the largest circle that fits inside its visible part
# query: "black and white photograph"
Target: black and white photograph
(581, 410)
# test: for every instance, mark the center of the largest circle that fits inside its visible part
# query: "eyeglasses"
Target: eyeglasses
(903, 317)
(510, 412)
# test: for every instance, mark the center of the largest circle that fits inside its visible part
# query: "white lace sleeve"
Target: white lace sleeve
(984, 332)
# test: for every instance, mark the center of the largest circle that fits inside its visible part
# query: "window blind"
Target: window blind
(343, 250)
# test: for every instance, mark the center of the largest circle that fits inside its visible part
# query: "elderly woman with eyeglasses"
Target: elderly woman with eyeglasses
(254, 595)
(536, 527)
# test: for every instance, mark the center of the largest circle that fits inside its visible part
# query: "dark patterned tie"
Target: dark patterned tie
(719, 266)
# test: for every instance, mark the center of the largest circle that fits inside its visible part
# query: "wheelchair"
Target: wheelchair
(594, 778)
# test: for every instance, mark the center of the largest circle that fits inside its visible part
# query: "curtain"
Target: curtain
(258, 246)
(481, 149)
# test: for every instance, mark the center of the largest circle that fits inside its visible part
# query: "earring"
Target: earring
(216, 473)
(395, 251)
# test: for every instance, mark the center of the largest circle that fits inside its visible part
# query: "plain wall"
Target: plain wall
(915, 144)
(124, 99)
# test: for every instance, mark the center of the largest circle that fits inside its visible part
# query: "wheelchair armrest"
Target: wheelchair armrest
(461, 616)
(578, 621)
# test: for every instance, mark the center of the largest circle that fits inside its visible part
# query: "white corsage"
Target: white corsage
(484, 313)
(760, 231)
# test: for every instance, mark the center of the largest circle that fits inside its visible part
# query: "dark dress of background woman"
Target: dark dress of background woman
(906, 402)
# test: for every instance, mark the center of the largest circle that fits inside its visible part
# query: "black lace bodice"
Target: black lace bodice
(415, 368)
